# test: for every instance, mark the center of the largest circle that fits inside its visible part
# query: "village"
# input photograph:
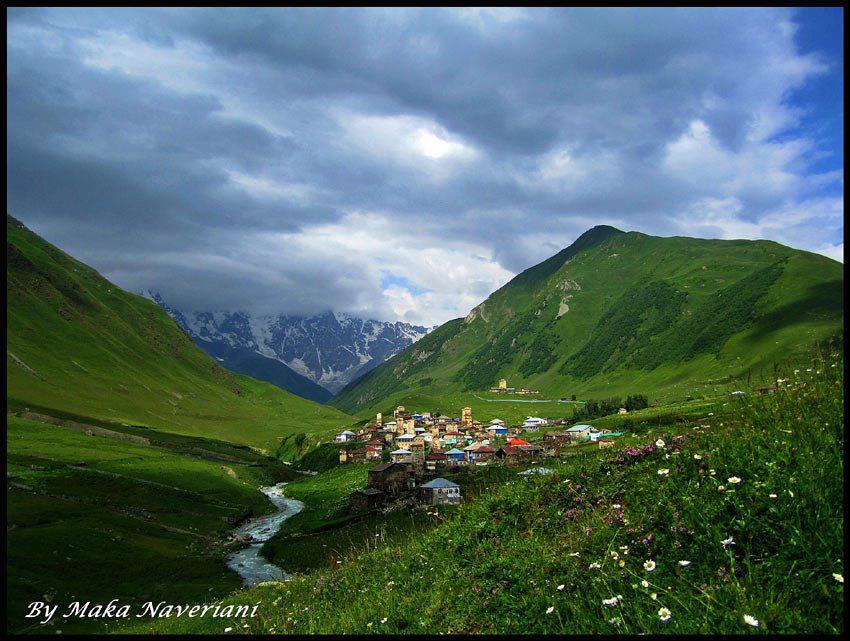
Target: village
(413, 450)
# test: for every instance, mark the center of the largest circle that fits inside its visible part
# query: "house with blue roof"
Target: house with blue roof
(440, 491)
(455, 456)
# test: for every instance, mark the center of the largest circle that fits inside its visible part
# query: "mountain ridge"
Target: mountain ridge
(329, 349)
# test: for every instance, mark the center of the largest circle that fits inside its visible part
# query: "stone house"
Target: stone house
(440, 492)
(391, 478)
(366, 499)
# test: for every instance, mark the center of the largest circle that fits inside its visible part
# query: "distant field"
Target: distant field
(95, 518)
(484, 406)
(514, 410)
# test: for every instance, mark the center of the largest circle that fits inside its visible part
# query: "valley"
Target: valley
(698, 521)
(422, 321)
(141, 470)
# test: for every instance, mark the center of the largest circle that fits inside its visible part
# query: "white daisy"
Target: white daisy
(750, 620)
(649, 566)
(664, 614)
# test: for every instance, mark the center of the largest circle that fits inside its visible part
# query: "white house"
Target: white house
(401, 456)
(534, 422)
(344, 436)
(404, 440)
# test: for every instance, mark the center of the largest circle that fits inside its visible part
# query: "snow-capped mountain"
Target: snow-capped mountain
(330, 349)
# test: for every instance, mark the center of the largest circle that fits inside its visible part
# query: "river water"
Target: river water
(249, 564)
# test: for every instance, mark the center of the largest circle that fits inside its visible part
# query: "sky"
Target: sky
(402, 164)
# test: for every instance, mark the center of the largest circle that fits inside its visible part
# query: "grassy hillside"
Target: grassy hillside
(619, 313)
(96, 518)
(78, 343)
(715, 526)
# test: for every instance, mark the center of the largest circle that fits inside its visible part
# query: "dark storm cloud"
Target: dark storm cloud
(242, 158)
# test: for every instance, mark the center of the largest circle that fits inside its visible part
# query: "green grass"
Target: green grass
(96, 518)
(496, 563)
(79, 344)
(325, 496)
(326, 531)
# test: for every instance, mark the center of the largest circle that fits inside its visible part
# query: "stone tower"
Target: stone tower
(379, 420)
(417, 456)
(466, 417)
(503, 383)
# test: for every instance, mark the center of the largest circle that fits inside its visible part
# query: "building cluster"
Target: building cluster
(412, 450)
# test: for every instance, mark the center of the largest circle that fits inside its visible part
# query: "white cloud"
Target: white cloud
(450, 276)
(416, 143)
(801, 224)
(836, 252)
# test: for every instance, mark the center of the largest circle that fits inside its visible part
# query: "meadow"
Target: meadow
(97, 518)
(731, 522)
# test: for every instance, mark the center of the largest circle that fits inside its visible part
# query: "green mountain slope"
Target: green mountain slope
(617, 313)
(77, 343)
